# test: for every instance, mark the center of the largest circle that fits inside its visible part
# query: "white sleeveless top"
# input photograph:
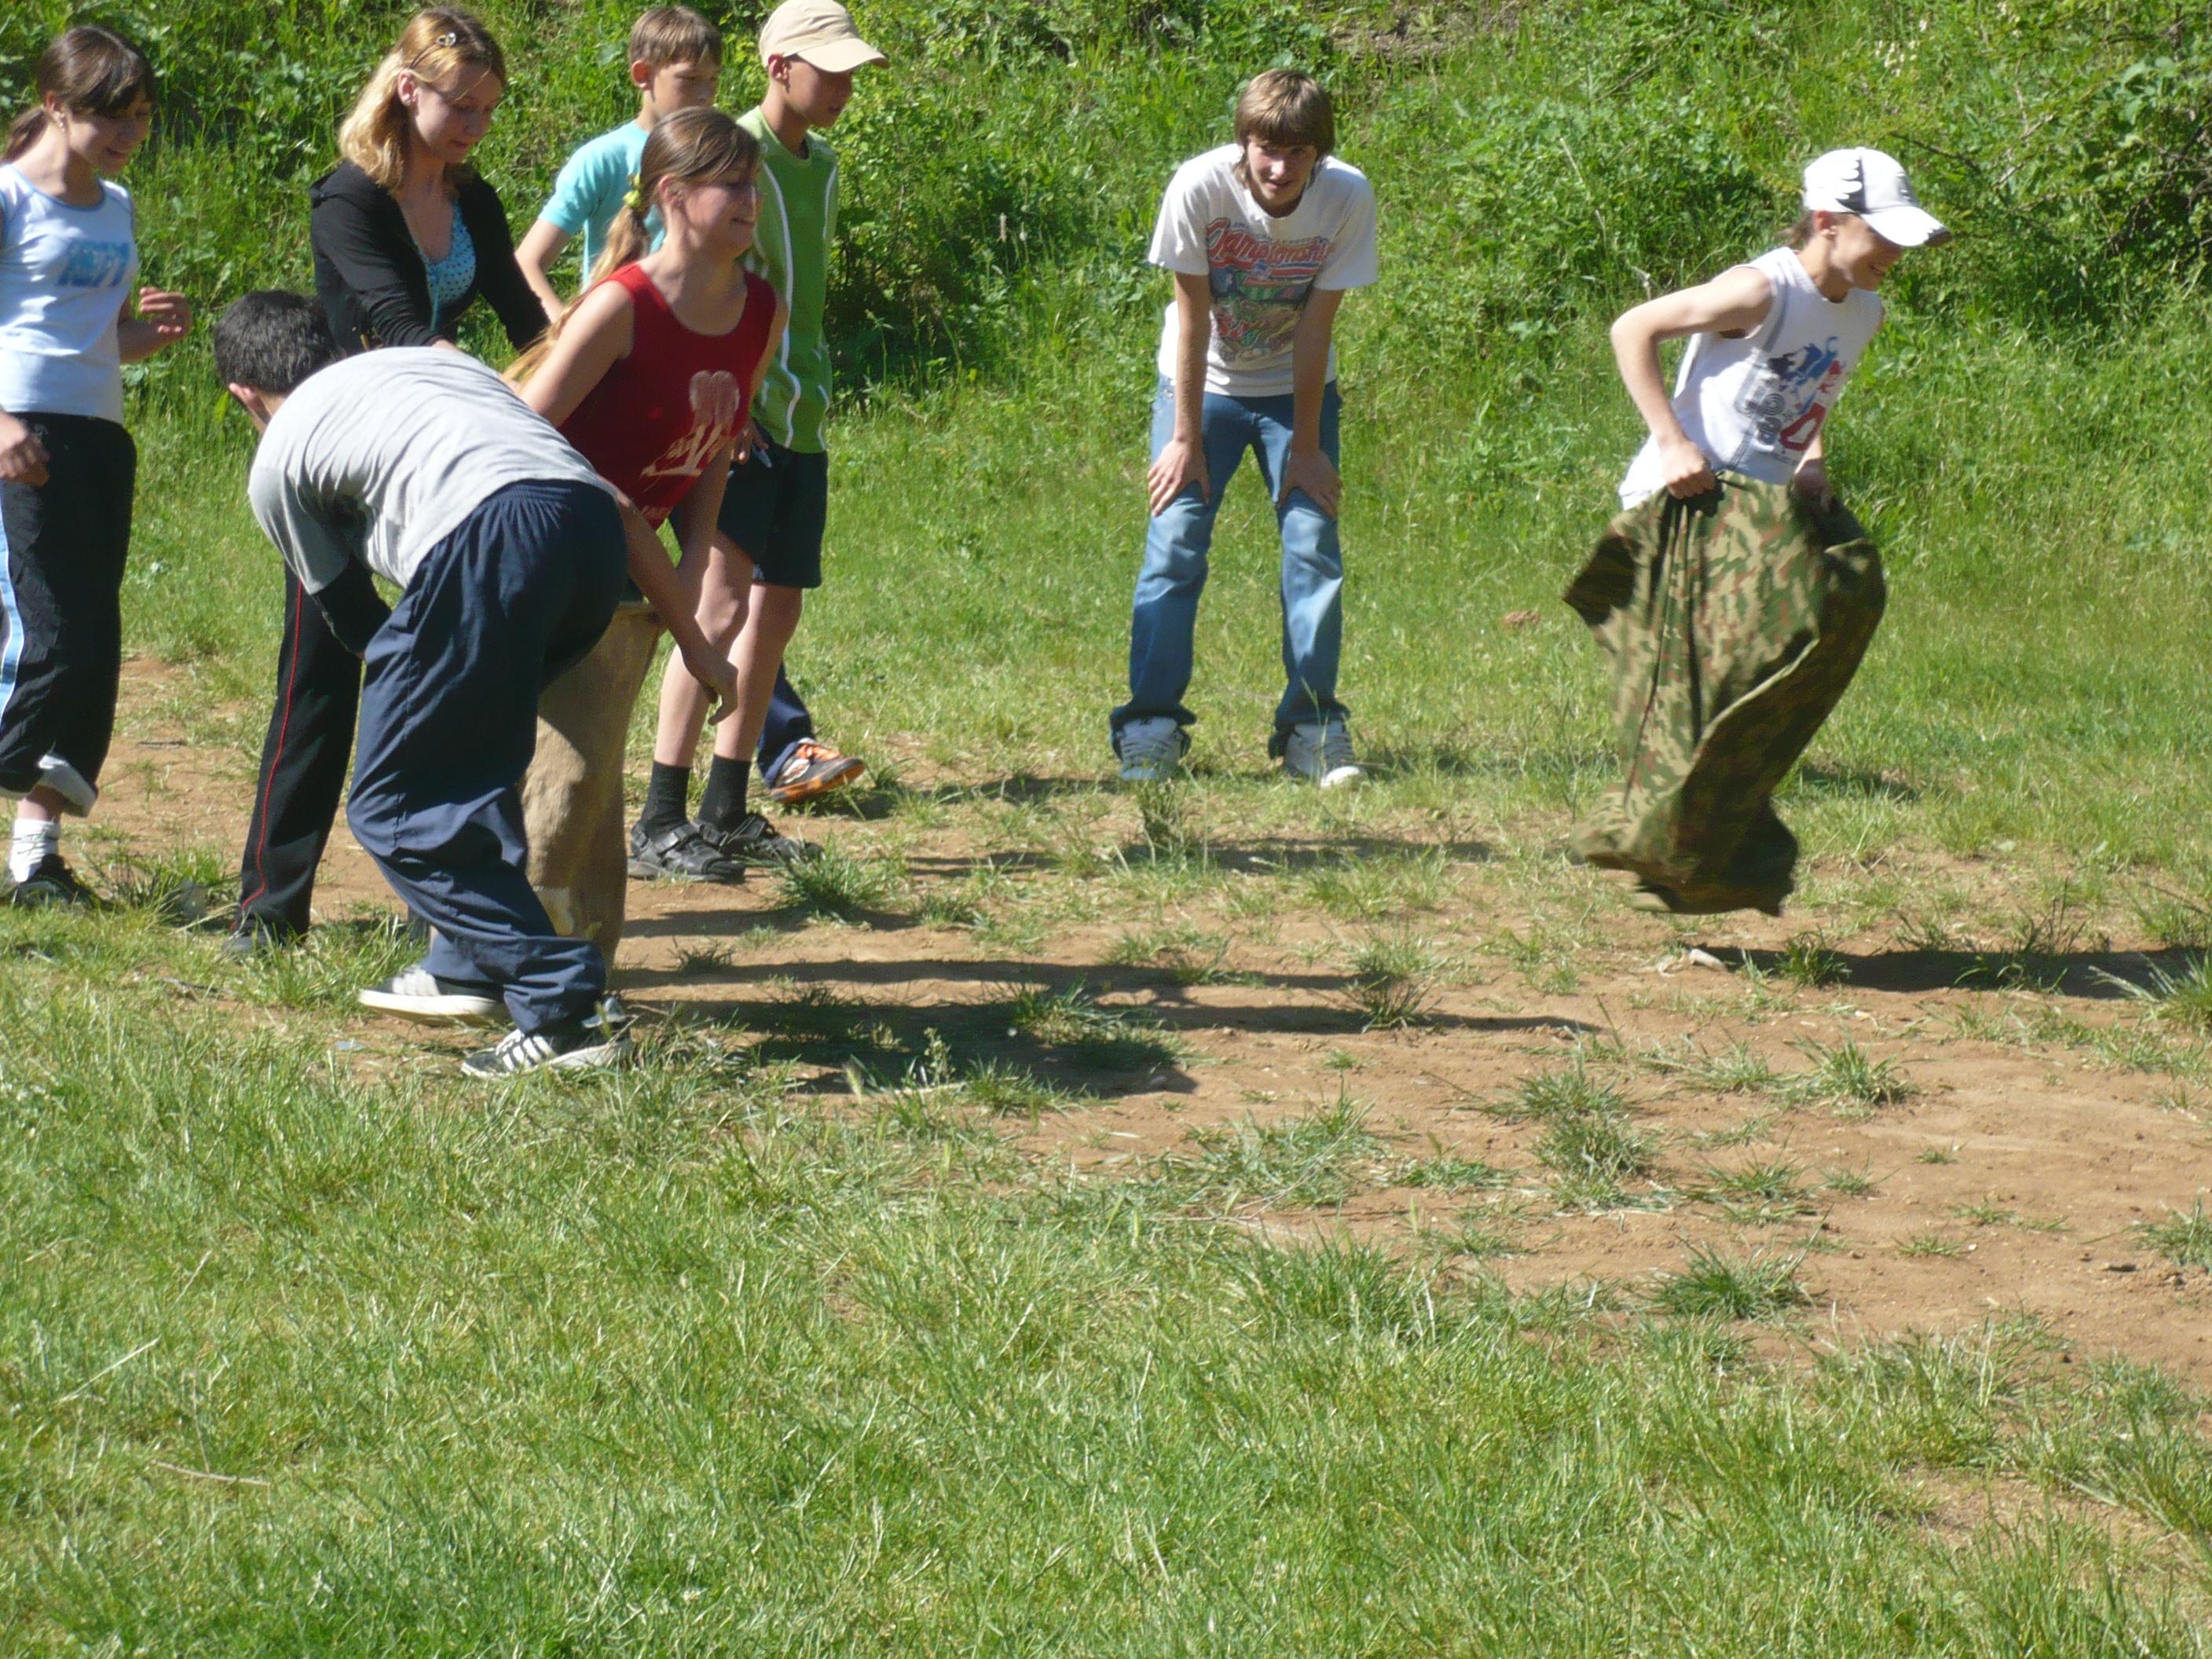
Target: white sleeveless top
(65, 274)
(1753, 404)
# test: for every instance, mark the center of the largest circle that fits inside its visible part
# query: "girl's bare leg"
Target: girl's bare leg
(720, 589)
(767, 624)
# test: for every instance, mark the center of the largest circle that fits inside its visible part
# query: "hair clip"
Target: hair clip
(635, 200)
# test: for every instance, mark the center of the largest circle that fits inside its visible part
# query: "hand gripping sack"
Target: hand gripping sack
(1733, 623)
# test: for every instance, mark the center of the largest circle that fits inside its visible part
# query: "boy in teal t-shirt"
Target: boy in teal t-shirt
(777, 501)
(675, 62)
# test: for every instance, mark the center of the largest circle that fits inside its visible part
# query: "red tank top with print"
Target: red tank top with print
(637, 427)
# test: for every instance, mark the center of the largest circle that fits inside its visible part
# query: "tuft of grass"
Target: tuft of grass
(1990, 1214)
(1378, 888)
(1939, 1155)
(1598, 1149)
(692, 959)
(328, 968)
(1483, 1238)
(2177, 920)
(1298, 1163)
(2184, 998)
(1453, 1175)
(1714, 1285)
(1392, 982)
(1009, 1091)
(836, 885)
(1807, 962)
(1848, 1183)
(1774, 1183)
(1737, 1069)
(2184, 1237)
(1848, 1077)
(1187, 955)
(1572, 1092)
(1102, 1039)
(1931, 1244)
(950, 907)
(1165, 823)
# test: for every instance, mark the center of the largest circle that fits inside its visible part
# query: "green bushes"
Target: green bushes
(1538, 165)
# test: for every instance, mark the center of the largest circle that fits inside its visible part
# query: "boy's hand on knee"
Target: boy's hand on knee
(1179, 464)
(1310, 471)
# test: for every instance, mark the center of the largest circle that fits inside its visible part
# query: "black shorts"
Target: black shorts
(775, 509)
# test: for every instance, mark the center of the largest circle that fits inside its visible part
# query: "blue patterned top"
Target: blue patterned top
(453, 276)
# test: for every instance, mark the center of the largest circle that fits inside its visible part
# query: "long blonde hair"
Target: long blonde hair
(685, 147)
(434, 45)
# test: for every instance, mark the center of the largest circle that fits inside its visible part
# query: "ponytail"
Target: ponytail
(88, 70)
(687, 146)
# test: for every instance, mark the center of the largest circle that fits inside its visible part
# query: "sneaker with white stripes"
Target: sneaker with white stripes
(417, 994)
(597, 1042)
(1150, 750)
(1321, 753)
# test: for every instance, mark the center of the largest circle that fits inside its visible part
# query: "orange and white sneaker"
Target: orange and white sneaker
(812, 769)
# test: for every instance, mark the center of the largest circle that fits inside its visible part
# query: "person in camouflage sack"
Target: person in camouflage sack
(1733, 622)
(1735, 595)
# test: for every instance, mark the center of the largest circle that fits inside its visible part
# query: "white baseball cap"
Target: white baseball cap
(819, 31)
(1873, 186)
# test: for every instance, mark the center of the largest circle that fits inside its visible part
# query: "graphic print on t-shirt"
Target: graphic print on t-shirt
(95, 265)
(1791, 398)
(1259, 286)
(687, 456)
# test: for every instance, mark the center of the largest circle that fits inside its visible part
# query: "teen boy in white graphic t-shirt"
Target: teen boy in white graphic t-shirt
(1263, 237)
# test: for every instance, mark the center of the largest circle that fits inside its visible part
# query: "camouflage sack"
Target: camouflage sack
(1733, 623)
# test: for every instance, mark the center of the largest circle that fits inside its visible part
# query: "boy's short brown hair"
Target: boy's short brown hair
(674, 35)
(1287, 107)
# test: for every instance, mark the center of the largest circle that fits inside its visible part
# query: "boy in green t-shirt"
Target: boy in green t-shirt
(769, 547)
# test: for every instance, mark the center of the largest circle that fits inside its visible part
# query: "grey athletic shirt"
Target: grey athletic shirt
(380, 456)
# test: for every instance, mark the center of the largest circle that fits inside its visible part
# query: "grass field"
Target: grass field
(1217, 1219)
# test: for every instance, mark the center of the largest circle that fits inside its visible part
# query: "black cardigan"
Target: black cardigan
(369, 273)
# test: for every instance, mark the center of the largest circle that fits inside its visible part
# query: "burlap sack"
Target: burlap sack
(572, 800)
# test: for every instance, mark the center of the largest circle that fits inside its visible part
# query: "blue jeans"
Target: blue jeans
(1166, 615)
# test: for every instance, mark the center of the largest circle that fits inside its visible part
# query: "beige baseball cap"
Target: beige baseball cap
(819, 31)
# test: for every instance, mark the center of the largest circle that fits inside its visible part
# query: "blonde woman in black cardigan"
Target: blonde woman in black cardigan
(406, 235)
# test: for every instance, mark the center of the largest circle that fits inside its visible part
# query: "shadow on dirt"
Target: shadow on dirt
(1046, 1020)
(2097, 975)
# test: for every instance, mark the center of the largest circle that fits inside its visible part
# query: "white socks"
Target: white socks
(34, 838)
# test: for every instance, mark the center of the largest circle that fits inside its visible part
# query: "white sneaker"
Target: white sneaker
(596, 1043)
(1151, 751)
(417, 994)
(1321, 750)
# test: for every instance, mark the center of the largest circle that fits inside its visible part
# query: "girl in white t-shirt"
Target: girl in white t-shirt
(1773, 340)
(68, 257)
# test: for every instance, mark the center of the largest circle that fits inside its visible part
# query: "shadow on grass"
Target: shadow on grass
(1042, 1018)
(2100, 975)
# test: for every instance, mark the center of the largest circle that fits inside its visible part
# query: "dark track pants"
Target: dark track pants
(522, 590)
(303, 767)
(309, 740)
(61, 606)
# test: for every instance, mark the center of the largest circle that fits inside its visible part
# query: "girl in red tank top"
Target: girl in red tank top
(651, 375)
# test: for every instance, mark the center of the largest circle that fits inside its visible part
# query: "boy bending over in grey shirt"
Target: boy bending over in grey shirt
(421, 465)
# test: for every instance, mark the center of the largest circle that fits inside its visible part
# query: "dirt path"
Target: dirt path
(2035, 1128)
